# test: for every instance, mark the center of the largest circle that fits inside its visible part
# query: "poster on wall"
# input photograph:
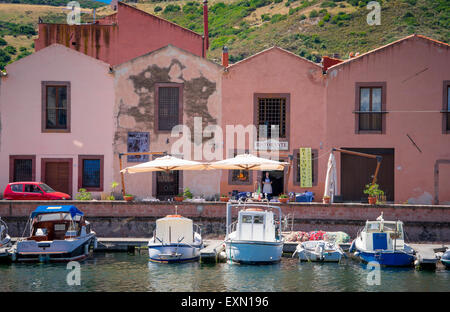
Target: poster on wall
(138, 142)
(305, 167)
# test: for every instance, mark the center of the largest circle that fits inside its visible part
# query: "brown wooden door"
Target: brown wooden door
(58, 175)
(357, 171)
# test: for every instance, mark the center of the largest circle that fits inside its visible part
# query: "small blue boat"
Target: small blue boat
(445, 259)
(383, 242)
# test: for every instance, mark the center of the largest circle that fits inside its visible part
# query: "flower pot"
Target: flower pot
(128, 198)
(179, 198)
(326, 200)
(224, 199)
(283, 200)
(372, 200)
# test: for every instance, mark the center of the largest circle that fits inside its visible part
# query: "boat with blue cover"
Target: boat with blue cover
(57, 234)
(175, 239)
(255, 237)
(383, 242)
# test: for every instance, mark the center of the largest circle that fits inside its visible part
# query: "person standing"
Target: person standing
(267, 188)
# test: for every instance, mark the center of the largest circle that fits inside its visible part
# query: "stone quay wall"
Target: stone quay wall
(423, 223)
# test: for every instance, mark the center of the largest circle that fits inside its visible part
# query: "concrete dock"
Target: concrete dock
(426, 254)
(211, 252)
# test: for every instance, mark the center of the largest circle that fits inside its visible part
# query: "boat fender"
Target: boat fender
(14, 256)
(95, 243)
(86, 249)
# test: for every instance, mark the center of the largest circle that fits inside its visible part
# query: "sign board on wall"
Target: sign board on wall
(305, 167)
(272, 145)
(138, 142)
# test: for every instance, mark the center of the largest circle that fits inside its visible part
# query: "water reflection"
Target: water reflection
(133, 272)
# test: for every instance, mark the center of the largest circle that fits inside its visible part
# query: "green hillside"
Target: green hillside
(310, 28)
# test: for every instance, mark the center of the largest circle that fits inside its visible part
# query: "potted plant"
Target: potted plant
(374, 192)
(179, 198)
(113, 186)
(128, 197)
(187, 193)
(224, 198)
(283, 198)
(326, 199)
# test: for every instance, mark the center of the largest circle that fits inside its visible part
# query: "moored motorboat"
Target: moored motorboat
(57, 234)
(321, 251)
(257, 237)
(445, 259)
(383, 242)
(175, 240)
(5, 240)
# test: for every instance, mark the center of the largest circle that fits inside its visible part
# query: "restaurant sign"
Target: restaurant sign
(272, 145)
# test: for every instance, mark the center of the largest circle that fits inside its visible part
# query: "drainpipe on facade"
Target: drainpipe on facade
(205, 25)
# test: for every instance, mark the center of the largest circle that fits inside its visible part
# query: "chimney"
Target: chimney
(205, 24)
(225, 56)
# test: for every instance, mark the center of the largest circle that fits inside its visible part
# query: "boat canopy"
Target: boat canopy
(57, 209)
(174, 229)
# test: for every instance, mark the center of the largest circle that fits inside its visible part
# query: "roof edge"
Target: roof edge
(270, 49)
(388, 45)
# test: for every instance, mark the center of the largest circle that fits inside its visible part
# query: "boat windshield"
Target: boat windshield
(56, 217)
(46, 188)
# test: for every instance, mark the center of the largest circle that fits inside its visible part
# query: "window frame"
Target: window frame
(287, 97)
(445, 108)
(180, 87)
(81, 158)
(315, 169)
(357, 111)
(230, 171)
(12, 158)
(44, 86)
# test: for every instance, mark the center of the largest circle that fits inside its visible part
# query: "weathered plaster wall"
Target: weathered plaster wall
(135, 110)
(278, 71)
(92, 98)
(414, 71)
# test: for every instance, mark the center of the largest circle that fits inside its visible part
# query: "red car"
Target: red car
(32, 191)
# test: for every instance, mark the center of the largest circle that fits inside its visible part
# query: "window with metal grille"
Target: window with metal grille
(272, 112)
(56, 107)
(23, 170)
(168, 107)
(313, 167)
(370, 112)
(91, 173)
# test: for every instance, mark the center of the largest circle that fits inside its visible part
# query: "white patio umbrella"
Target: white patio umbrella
(331, 179)
(166, 163)
(248, 162)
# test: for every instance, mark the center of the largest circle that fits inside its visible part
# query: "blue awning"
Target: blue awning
(55, 209)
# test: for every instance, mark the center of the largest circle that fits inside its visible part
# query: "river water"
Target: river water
(133, 272)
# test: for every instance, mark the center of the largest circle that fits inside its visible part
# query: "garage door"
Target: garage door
(357, 171)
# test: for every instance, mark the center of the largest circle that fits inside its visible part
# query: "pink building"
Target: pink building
(57, 121)
(393, 101)
(121, 36)
(276, 87)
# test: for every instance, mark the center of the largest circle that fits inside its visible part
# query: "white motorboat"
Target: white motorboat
(57, 234)
(5, 240)
(383, 242)
(175, 240)
(319, 250)
(255, 238)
